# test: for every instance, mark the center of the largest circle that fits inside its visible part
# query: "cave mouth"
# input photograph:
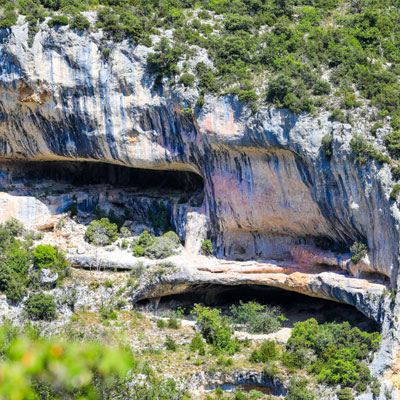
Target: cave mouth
(294, 306)
(82, 173)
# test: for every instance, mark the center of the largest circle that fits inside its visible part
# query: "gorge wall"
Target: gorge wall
(268, 186)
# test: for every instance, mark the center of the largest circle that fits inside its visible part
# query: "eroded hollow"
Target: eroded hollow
(95, 173)
(295, 306)
(149, 199)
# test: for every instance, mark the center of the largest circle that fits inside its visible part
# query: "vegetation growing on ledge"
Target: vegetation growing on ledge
(22, 265)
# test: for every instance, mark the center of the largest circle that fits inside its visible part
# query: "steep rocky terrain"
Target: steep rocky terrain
(258, 183)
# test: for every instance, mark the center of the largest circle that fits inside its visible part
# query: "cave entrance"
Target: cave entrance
(148, 197)
(97, 173)
(294, 306)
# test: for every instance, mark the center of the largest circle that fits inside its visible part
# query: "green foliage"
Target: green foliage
(256, 318)
(207, 247)
(187, 79)
(40, 307)
(164, 61)
(326, 144)
(156, 247)
(215, 329)
(58, 20)
(102, 232)
(197, 344)
(9, 17)
(358, 250)
(393, 143)
(80, 22)
(297, 390)
(170, 344)
(344, 394)
(266, 352)
(173, 323)
(161, 324)
(394, 192)
(32, 366)
(339, 351)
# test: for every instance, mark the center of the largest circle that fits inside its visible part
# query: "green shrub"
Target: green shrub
(138, 251)
(40, 307)
(170, 344)
(58, 20)
(80, 22)
(338, 115)
(394, 192)
(9, 17)
(102, 232)
(14, 227)
(266, 352)
(358, 250)
(207, 247)
(197, 344)
(321, 87)
(339, 352)
(326, 144)
(173, 323)
(215, 329)
(49, 257)
(392, 141)
(187, 79)
(297, 390)
(44, 256)
(256, 318)
(161, 324)
(344, 394)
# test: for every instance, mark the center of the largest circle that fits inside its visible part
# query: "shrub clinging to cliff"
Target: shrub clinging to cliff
(101, 232)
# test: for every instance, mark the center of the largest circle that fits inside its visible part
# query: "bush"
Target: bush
(173, 323)
(207, 247)
(49, 257)
(44, 256)
(161, 324)
(326, 145)
(187, 79)
(14, 227)
(138, 251)
(344, 394)
(392, 141)
(358, 250)
(80, 22)
(58, 20)
(101, 232)
(197, 344)
(339, 352)
(156, 247)
(266, 352)
(40, 307)
(9, 17)
(215, 329)
(338, 115)
(170, 344)
(297, 390)
(256, 318)
(321, 87)
(394, 192)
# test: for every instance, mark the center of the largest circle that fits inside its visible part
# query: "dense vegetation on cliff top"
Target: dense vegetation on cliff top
(299, 54)
(294, 52)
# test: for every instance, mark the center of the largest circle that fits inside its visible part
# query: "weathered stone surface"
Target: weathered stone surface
(267, 185)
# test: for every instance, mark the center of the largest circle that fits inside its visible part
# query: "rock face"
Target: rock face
(268, 186)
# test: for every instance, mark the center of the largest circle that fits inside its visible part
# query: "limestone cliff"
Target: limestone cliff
(268, 186)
